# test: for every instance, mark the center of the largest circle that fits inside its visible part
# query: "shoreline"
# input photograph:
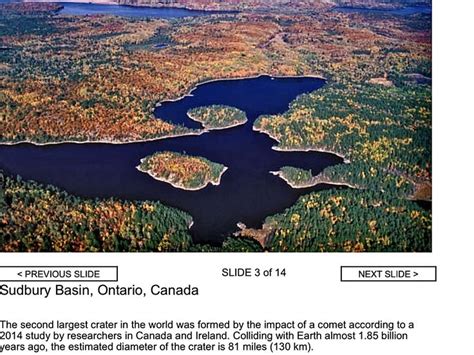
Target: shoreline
(310, 149)
(316, 181)
(144, 6)
(197, 133)
(85, 2)
(368, 8)
(181, 187)
(160, 103)
(177, 7)
(208, 129)
(256, 76)
(158, 6)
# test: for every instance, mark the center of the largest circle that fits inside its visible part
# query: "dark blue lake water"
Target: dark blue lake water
(72, 8)
(248, 192)
(127, 11)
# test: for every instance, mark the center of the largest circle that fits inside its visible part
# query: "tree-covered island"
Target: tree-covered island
(218, 116)
(182, 171)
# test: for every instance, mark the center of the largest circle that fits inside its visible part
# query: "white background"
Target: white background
(443, 311)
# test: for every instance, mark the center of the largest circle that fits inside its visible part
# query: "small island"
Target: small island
(218, 116)
(182, 171)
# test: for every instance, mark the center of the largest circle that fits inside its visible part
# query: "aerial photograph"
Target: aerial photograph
(216, 126)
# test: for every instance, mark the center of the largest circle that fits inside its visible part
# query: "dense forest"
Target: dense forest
(103, 75)
(383, 133)
(351, 220)
(38, 218)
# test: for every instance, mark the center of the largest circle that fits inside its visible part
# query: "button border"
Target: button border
(389, 266)
(62, 267)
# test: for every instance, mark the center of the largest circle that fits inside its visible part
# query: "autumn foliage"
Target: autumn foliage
(182, 171)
